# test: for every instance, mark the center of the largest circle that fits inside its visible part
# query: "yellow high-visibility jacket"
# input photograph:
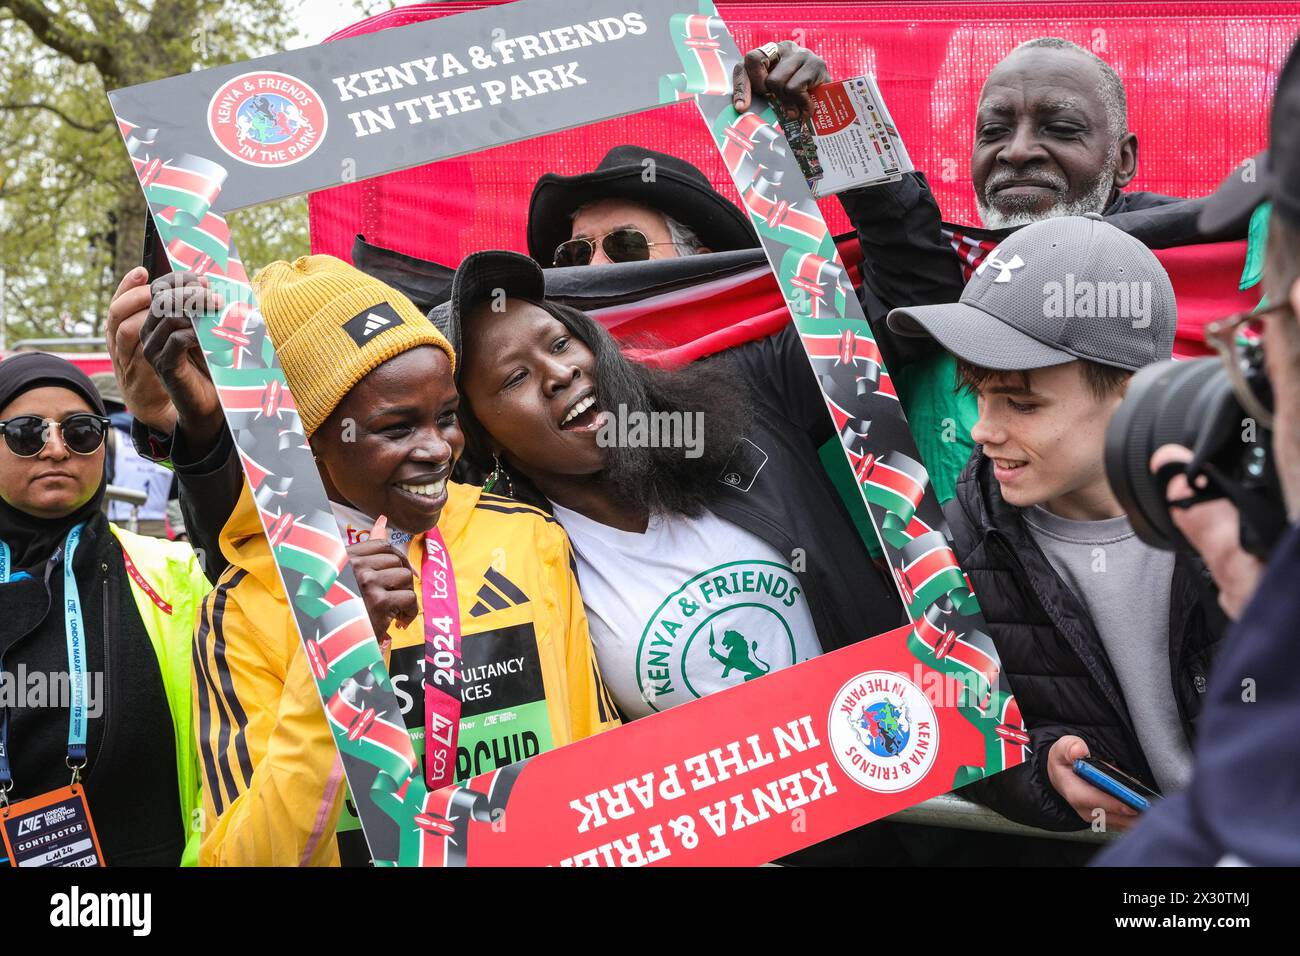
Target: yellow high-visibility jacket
(273, 784)
(172, 570)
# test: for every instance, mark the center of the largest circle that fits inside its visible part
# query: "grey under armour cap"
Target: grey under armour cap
(1062, 289)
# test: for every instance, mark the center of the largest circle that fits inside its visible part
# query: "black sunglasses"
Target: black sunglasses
(82, 433)
(621, 245)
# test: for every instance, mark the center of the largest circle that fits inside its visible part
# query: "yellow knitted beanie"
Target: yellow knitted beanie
(332, 325)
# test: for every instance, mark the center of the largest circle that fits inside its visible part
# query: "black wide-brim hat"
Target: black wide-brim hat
(676, 189)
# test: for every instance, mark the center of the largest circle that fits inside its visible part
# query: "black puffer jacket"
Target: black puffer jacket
(1053, 656)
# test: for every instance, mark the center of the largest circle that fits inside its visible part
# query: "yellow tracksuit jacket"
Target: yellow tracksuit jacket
(273, 787)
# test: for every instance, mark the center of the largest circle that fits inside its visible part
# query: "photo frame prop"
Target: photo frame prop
(862, 732)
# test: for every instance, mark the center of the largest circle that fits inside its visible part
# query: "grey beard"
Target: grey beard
(1094, 200)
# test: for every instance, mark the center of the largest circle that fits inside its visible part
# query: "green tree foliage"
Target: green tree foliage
(71, 212)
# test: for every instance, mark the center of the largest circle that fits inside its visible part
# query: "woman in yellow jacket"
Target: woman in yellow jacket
(373, 380)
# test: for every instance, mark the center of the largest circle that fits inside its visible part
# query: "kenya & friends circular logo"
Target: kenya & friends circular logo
(725, 626)
(883, 731)
(267, 119)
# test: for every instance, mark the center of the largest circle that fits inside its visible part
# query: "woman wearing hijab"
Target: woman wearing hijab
(85, 603)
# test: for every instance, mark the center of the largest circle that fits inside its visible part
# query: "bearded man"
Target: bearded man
(1051, 139)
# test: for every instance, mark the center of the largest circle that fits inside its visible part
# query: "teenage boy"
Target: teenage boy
(1106, 641)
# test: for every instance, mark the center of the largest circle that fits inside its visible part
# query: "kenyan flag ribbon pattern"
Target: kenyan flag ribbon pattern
(949, 631)
(354, 685)
(356, 691)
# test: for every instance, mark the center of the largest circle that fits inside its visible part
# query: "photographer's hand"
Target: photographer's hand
(1213, 528)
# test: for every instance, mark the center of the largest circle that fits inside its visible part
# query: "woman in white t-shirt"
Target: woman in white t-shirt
(691, 543)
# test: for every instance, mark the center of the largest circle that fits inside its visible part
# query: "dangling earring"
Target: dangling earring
(499, 475)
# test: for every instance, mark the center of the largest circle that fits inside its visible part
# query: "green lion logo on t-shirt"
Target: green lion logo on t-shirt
(724, 626)
(737, 656)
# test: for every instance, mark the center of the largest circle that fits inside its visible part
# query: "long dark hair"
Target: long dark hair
(662, 479)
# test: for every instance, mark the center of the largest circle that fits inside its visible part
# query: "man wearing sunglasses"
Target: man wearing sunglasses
(637, 204)
(1243, 804)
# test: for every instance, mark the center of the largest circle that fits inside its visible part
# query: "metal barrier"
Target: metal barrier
(128, 496)
(948, 810)
(958, 813)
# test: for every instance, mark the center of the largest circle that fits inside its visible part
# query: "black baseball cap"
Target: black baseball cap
(480, 277)
(1271, 175)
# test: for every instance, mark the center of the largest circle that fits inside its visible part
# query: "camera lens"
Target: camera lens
(1175, 402)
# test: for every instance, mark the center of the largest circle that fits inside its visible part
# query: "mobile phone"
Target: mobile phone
(155, 257)
(1116, 782)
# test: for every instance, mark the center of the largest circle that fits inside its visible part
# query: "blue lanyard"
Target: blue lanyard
(75, 632)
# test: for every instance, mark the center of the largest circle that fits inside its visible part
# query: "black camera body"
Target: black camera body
(1192, 403)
